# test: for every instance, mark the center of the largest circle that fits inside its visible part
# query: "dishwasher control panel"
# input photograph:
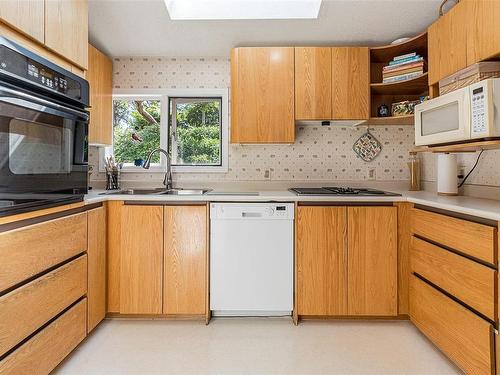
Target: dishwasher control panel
(263, 211)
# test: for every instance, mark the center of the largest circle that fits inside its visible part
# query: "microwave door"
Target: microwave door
(442, 120)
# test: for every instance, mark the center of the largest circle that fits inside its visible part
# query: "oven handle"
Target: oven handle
(32, 102)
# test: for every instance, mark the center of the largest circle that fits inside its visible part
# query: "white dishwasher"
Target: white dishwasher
(251, 259)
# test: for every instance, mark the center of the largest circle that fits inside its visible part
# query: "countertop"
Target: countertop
(483, 208)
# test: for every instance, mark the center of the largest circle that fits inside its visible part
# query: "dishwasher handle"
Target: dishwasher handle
(251, 214)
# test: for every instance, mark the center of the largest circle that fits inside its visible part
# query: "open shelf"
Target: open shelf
(414, 86)
(390, 121)
(389, 93)
(416, 44)
(472, 146)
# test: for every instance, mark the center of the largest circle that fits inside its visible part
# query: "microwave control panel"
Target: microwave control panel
(478, 110)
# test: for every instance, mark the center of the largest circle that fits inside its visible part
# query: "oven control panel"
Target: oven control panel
(19, 66)
(478, 110)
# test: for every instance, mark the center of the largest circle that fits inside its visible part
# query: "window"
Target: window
(195, 131)
(191, 124)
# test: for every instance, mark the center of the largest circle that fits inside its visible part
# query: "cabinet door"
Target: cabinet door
(313, 83)
(96, 258)
(141, 260)
(66, 29)
(26, 16)
(447, 41)
(373, 268)
(350, 83)
(483, 30)
(321, 256)
(262, 95)
(185, 260)
(100, 77)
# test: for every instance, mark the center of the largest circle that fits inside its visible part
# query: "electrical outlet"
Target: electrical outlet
(267, 174)
(371, 174)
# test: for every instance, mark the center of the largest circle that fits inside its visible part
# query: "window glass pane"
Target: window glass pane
(195, 131)
(136, 129)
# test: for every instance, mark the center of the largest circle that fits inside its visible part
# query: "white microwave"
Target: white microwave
(470, 113)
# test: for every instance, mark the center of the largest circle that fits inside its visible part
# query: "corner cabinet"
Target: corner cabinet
(346, 261)
(100, 77)
(262, 95)
(158, 259)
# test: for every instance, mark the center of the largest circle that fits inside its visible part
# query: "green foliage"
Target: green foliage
(198, 131)
(128, 121)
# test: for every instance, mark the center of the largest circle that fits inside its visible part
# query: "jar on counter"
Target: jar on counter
(414, 166)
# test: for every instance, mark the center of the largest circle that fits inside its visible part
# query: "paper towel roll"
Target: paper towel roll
(447, 174)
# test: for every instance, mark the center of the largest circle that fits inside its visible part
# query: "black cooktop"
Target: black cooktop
(335, 190)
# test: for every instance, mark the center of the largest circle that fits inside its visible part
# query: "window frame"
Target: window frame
(165, 95)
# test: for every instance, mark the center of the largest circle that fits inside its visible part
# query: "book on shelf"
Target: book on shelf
(402, 77)
(392, 68)
(405, 56)
(407, 60)
(402, 72)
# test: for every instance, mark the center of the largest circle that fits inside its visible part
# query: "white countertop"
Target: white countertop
(484, 208)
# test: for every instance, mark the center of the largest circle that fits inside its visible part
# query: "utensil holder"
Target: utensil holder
(113, 179)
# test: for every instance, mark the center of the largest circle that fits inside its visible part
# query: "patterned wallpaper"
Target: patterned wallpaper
(319, 153)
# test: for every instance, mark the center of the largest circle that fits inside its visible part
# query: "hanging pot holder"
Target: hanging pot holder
(367, 147)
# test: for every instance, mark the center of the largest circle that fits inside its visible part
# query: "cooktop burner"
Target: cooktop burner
(335, 190)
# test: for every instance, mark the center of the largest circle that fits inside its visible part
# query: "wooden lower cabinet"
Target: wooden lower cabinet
(346, 261)
(96, 254)
(45, 350)
(141, 259)
(462, 335)
(321, 256)
(372, 261)
(185, 260)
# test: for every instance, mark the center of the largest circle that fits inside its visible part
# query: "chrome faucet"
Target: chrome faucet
(167, 181)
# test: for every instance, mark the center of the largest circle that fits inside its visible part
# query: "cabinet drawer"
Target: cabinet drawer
(470, 282)
(30, 250)
(27, 308)
(44, 351)
(463, 336)
(476, 240)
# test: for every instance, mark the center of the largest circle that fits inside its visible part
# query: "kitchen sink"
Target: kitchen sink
(159, 191)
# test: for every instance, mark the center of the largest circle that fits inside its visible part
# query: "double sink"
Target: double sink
(160, 191)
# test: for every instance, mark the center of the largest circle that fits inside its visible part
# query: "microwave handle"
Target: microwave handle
(37, 104)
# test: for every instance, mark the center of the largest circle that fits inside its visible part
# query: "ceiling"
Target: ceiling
(143, 27)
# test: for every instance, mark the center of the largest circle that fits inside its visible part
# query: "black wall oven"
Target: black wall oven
(43, 128)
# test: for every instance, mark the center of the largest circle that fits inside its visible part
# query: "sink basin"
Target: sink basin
(159, 191)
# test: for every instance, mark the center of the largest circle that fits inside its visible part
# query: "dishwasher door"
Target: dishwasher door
(251, 259)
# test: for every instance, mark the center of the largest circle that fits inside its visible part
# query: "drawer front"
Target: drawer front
(462, 335)
(470, 282)
(27, 308)
(44, 351)
(476, 240)
(30, 250)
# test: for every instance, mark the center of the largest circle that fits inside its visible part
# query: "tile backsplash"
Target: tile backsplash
(319, 153)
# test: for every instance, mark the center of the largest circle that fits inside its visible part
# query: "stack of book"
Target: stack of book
(403, 67)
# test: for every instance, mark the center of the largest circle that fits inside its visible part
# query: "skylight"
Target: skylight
(242, 9)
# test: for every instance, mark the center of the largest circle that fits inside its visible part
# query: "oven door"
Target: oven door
(445, 119)
(43, 145)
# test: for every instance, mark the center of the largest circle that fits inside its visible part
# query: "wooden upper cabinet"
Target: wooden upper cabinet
(100, 77)
(321, 256)
(373, 257)
(447, 43)
(313, 83)
(26, 16)
(262, 95)
(141, 259)
(185, 260)
(350, 83)
(96, 259)
(66, 29)
(483, 29)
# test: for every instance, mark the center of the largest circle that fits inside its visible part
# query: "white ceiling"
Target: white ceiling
(143, 27)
